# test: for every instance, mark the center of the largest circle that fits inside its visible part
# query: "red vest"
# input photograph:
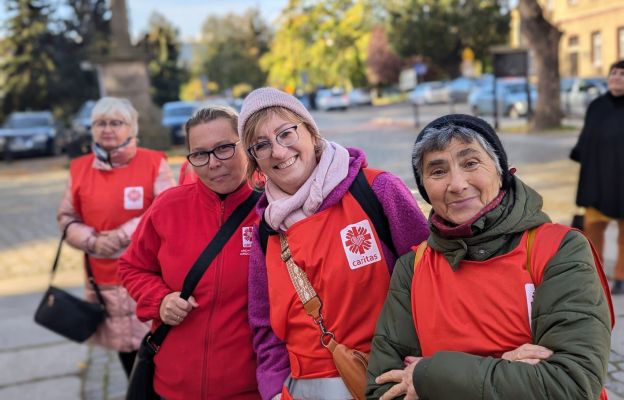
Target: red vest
(106, 199)
(341, 254)
(484, 307)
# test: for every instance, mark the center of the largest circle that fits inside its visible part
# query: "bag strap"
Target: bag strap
(90, 277)
(205, 259)
(311, 301)
(529, 249)
(367, 199)
(420, 250)
(363, 193)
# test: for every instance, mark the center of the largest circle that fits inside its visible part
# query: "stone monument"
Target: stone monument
(123, 73)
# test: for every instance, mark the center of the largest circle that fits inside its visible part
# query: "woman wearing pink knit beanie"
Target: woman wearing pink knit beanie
(344, 225)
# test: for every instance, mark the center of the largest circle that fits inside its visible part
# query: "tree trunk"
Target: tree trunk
(543, 39)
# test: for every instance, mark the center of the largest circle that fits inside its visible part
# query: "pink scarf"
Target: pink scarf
(284, 209)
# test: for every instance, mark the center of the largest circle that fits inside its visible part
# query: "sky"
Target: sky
(187, 15)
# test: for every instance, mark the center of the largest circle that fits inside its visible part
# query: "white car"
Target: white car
(332, 99)
(430, 93)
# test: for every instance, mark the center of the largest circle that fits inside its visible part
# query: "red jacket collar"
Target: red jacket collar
(231, 201)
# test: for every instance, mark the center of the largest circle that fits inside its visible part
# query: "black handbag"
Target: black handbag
(66, 314)
(141, 381)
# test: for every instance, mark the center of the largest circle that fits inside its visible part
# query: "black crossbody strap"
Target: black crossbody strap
(207, 256)
(90, 277)
(363, 193)
(366, 198)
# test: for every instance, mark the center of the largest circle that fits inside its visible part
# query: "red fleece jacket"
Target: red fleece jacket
(209, 355)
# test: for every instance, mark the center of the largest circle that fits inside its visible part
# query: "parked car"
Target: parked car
(576, 93)
(175, 114)
(32, 132)
(80, 135)
(332, 99)
(360, 97)
(459, 88)
(430, 93)
(511, 95)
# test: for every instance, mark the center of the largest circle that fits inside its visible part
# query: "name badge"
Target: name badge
(360, 245)
(133, 198)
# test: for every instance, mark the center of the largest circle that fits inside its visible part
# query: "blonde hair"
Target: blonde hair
(262, 116)
(109, 106)
(205, 115)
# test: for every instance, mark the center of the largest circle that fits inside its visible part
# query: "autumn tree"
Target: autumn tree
(543, 39)
(320, 44)
(383, 63)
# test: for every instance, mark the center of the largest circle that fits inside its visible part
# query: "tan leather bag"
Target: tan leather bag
(351, 365)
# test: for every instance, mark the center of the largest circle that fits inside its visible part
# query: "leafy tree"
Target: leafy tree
(383, 63)
(29, 63)
(320, 44)
(88, 25)
(442, 29)
(85, 34)
(163, 47)
(44, 62)
(543, 38)
(231, 47)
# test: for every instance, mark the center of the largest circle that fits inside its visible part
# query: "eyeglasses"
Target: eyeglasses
(113, 123)
(285, 138)
(223, 152)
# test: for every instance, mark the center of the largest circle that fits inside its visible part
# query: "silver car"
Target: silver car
(576, 93)
(332, 99)
(511, 98)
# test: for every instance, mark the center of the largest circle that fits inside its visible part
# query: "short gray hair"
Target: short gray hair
(438, 139)
(109, 106)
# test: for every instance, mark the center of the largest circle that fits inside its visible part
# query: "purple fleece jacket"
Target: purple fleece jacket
(408, 227)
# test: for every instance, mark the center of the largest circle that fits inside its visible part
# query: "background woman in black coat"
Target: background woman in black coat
(600, 150)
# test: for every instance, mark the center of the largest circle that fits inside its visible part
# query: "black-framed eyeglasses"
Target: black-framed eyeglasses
(264, 148)
(202, 157)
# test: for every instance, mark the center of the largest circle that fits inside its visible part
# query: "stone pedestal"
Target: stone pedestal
(128, 78)
(123, 73)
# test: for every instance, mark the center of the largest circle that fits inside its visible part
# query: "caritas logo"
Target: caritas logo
(360, 245)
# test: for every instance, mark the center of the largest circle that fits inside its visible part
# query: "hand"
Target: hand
(173, 308)
(106, 245)
(117, 236)
(528, 353)
(403, 378)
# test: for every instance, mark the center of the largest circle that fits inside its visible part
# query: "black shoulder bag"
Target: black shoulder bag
(141, 382)
(66, 314)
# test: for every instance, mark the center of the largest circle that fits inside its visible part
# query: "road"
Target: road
(36, 364)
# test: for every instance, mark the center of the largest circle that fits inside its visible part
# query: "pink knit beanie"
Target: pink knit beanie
(267, 97)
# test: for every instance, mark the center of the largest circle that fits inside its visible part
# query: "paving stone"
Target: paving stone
(44, 362)
(67, 388)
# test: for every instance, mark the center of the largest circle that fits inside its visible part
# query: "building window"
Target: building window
(596, 49)
(573, 41)
(572, 2)
(620, 37)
